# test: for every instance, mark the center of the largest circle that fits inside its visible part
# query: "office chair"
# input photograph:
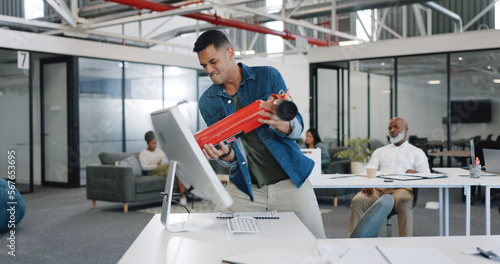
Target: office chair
(478, 151)
(372, 220)
(478, 148)
(393, 212)
(489, 137)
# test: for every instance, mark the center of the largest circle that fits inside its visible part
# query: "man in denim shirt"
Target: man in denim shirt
(268, 170)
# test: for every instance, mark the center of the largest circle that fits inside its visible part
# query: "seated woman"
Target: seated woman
(314, 141)
(151, 162)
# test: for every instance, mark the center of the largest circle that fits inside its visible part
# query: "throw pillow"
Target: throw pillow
(132, 162)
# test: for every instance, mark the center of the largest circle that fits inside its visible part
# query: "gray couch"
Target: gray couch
(112, 183)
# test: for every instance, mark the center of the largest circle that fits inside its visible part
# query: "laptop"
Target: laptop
(492, 160)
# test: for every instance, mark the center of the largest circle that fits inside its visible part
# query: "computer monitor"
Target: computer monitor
(187, 162)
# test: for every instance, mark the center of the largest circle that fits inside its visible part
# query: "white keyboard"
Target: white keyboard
(243, 225)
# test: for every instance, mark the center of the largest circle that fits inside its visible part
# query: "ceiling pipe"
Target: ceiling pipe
(217, 20)
(457, 20)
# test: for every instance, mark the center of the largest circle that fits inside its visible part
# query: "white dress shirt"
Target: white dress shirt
(394, 159)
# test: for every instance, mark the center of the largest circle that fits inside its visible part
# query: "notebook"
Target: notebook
(492, 160)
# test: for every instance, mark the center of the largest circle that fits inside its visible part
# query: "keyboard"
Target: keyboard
(243, 225)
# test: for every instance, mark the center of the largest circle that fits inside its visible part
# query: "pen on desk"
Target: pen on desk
(486, 254)
(343, 254)
(383, 255)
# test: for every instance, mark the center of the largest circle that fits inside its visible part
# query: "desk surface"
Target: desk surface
(452, 153)
(491, 180)
(450, 247)
(453, 181)
(329, 181)
(155, 244)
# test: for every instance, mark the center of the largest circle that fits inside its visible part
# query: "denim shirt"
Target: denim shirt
(257, 83)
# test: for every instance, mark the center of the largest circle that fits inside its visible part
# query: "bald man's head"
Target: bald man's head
(398, 130)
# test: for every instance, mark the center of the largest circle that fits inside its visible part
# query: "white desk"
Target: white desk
(155, 244)
(451, 246)
(488, 182)
(326, 181)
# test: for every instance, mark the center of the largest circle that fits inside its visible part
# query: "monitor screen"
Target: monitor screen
(471, 111)
(193, 168)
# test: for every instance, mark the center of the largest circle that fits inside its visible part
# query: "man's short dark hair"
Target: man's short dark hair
(215, 37)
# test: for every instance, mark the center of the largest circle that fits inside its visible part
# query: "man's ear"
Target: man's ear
(230, 52)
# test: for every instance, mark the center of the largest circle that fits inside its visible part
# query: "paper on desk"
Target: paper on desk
(414, 255)
(334, 253)
(378, 173)
(401, 177)
(495, 248)
(268, 256)
(426, 175)
(339, 175)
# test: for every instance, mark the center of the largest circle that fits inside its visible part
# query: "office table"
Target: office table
(210, 245)
(450, 247)
(328, 181)
(488, 182)
(285, 236)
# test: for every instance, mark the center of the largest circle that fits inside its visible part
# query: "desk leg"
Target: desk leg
(447, 211)
(467, 210)
(440, 211)
(487, 205)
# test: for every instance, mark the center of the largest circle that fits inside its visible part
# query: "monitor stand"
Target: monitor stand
(189, 223)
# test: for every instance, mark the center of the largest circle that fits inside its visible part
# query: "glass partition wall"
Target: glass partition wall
(447, 99)
(117, 98)
(475, 95)
(15, 144)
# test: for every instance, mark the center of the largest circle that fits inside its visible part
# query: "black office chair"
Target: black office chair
(478, 152)
(393, 212)
(372, 220)
(477, 139)
(489, 137)
(478, 148)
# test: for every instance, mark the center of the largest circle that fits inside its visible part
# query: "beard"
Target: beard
(400, 136)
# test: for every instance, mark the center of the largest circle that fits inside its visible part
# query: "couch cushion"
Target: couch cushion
(110, 158)
(132, 162)
(146, 184)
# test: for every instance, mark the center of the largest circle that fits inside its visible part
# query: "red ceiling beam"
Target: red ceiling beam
(217, 20)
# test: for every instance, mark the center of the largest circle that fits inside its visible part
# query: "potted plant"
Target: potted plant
(358, 152)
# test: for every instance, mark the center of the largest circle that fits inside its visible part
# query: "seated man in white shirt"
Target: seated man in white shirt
(151, 162)
(397, 157)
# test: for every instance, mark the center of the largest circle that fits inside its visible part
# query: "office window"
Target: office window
(474, 95)
(422, 95)
(33, 9)
(181, 85)
(380, 82)
(100, 106)
(274, 44)
(143, 95)
(328, 105)
(14, 113)
(358, 102)
(203, 83)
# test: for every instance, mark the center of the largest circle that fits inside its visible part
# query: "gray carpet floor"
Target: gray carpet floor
(61, 227)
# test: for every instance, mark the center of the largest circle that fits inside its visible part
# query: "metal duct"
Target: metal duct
(457, 20)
